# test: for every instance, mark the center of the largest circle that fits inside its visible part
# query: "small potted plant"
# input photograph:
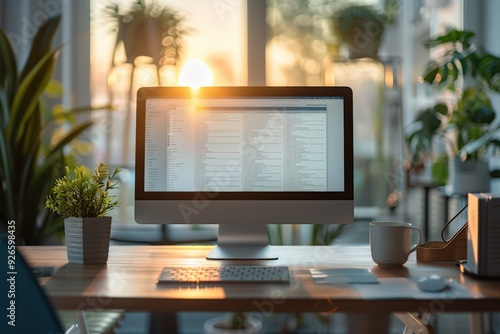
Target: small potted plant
(237, 322)
(147, 28)
(466, 122)
(84, 201)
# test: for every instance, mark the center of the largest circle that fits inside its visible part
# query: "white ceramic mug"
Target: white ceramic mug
(391, 242)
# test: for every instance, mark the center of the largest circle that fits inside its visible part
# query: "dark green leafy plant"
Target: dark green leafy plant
(467, 125)
(239, 321)
(235, 322)
(79, 195)
(360, 28)
(150, 29)
(28, 165)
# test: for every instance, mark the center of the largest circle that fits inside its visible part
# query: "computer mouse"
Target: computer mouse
(433, 283)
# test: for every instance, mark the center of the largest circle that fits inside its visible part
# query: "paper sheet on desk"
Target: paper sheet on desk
(407, 288)
(343, 275)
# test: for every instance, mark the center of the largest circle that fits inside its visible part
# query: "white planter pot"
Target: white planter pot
(87, 239)
(470, 176)
(217, 326)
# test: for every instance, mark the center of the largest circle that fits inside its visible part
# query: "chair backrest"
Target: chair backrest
(25, 308)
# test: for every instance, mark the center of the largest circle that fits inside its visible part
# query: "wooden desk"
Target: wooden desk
(128, 281)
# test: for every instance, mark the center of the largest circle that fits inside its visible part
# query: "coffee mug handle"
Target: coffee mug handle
(420, 238)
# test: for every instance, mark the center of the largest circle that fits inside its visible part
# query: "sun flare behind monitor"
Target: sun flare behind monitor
(195, 73)
(244, 157)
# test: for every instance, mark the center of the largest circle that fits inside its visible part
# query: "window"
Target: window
(298, 46)
(212, 33)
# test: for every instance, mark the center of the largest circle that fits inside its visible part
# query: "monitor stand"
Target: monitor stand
(242, 242)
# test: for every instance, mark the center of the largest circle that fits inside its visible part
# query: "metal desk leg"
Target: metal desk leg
(82, 321)
(477, 323)
(415, 323)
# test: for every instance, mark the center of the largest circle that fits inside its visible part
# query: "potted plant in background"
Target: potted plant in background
(235, 323)
(466, 122)
(149, 35)
(153, 30)
(84, 201)
(30, 159)
(360, 29)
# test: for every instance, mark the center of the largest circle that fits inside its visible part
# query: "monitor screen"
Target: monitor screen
(244, 157)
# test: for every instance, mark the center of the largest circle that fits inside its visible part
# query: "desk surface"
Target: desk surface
(128, 281)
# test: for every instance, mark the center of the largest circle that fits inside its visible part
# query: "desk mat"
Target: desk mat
(343, 275)
(395, 288)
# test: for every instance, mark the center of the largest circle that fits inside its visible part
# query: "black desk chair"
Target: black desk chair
(27, 306)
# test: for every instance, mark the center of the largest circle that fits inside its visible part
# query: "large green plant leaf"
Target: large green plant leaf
(41, 44)
(489, 67)
(28, 94)
(36, 187)
(440, 170)
(452, 36)
(459, 59)
(431, 72)
(23, 128)
(420, 133)
(488, 138)
(473, 108)
(8, 77)
(6, 175)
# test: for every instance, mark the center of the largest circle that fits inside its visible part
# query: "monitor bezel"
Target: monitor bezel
(244, 92)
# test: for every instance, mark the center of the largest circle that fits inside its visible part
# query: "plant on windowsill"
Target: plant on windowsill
(84, 201)
(466, 124)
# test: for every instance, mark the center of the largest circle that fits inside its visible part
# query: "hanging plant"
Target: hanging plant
(148, 29)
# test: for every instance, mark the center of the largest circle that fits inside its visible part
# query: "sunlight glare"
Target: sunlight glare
(195, 73)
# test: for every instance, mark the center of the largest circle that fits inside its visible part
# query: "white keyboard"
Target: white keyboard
(225, 273)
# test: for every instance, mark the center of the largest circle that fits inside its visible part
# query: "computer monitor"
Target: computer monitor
(243, 158)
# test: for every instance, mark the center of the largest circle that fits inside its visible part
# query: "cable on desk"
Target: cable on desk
(450, 221)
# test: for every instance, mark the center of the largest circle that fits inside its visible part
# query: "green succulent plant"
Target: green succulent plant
(77, 194)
